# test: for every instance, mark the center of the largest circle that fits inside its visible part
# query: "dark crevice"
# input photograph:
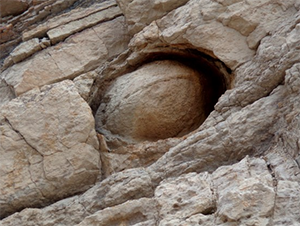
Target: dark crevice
(209, 211)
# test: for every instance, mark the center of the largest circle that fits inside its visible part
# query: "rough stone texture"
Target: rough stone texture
(185, 196)
(12, 27)
(25, 50)
(6, 94)
(115, 190)
(84, 84)
(250, 198)
(137, 212)
(60, 33)
(49, 148)
(81, 52)
(240, 167)
(141, 13)
(159, 100)
(117, 158)
(65, 18)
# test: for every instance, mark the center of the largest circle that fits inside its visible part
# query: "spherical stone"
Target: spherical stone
(159, 100)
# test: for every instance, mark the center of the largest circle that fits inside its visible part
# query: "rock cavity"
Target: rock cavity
(159, 100)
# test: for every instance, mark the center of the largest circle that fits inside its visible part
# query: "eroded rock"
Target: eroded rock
(49, 148)
(80, 53)
(201, 178)
(159, 100)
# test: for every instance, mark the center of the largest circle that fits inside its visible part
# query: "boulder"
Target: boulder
(49, 148)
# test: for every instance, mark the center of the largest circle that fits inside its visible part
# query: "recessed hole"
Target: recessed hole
(169, 95)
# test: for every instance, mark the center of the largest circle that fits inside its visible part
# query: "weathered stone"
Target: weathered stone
(62, 61)
(287, 205)
(202, 178)
(6, 94)
(60, 33)
(76, 14)
(137, 212)
(141, 13)
(6, 33)
(49, 148)
(36, 13)
(185, 196)
(116, 158)
(249, 197)
(25, 50)
(195, 220)
(115, 190)
(84, 83)
(159, 100)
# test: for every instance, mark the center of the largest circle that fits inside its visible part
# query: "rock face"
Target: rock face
(150, 113)
(49, 148)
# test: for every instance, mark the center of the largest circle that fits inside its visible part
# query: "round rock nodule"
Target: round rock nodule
(159, 100)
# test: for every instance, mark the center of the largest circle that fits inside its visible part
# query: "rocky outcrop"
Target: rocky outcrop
(49, 148)
(30, 12)
(178, 113)
(95, 45)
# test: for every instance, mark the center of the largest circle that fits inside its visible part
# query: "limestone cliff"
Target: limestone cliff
(150, 113)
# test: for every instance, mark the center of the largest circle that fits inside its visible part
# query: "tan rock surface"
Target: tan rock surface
(137, 212)
(63, 61)
(162, 99)
(25, 50)
(65, 18)
(6, 94)
(37, 12)
(60, 33)
(240, 167)
(141, 13)
(48, 147)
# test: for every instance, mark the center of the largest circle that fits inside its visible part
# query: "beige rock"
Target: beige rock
(25, 50)
(84, 84)
(258, 41)
(287, 203)
(62, 61)
(75, 14)
(195, 220)
(116, 158)
(185, 196)
(49, 148)
(36, 13)
(242, 27)
(141, 13)
(249, 196)
(60, 33)
(186, 26)
(6, 34)
(6, 93)
(115, 190)
(137, 212)
(159, 100)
